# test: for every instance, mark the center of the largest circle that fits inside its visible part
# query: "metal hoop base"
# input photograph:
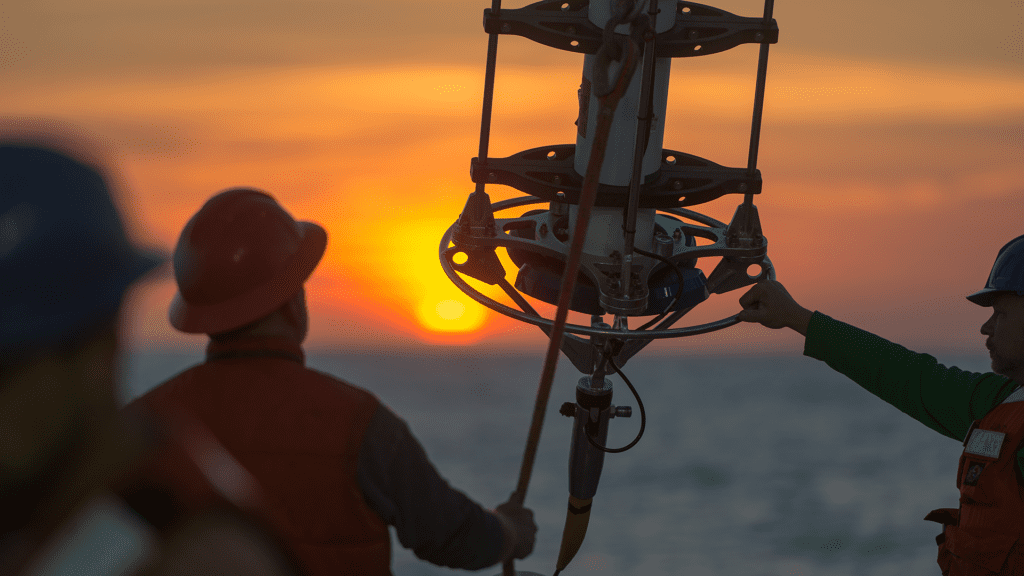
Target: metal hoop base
(730, 274)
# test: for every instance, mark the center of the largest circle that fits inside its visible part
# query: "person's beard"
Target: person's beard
(1003, 367)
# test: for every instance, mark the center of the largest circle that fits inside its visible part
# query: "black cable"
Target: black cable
(643, 418)
(675, 298)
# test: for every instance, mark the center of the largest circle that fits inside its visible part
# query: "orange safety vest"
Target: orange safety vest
(986, 535)
(298, 432)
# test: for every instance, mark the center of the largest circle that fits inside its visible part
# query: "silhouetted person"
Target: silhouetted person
(985, 535)
(75, 497)
(339, 467)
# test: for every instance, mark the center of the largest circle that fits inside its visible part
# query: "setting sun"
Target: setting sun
(449, 315)
(407, 262)
(450, 309)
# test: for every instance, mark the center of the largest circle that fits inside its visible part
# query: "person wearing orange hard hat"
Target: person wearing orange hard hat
(339, 466)
(79, 487)
(985, 411)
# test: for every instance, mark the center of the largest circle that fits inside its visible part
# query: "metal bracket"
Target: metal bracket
(475, 222)
(683, 180)
(563, 24)
(745, 229)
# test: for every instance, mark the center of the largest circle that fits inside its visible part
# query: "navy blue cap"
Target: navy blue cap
(65, 260)
(1007, 274)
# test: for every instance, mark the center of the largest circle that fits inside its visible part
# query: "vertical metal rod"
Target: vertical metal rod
(485, 119)
(639, 149)
(762, 72)
(508, 567)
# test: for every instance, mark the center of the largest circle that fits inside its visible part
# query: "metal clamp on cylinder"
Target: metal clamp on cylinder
(593, 408)
(592, 414)
(568, 409)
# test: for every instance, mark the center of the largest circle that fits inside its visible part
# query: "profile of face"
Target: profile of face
(1005, 335)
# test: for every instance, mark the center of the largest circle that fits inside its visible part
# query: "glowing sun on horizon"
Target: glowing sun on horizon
(450, 309)
(449, 315)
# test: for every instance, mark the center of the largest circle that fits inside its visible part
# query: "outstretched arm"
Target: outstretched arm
(946, 399)
(437, 522)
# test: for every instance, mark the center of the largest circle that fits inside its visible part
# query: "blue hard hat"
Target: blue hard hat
(65, 261)
(1007, 274)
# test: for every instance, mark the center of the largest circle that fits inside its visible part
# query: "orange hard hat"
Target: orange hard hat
(241, 257)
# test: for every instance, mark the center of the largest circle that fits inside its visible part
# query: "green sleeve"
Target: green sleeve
(944, 399)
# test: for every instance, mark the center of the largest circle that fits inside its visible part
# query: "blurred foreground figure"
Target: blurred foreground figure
(78, 491)
(338, 466)
(985, 535)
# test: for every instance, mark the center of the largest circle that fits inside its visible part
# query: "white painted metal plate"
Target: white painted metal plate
(985, 443)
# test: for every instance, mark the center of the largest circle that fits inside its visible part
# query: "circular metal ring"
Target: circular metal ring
(767, 271)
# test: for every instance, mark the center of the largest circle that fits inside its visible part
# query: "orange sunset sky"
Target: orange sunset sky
(892, 147)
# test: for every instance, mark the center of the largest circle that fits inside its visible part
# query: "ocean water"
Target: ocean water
(748, 466)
